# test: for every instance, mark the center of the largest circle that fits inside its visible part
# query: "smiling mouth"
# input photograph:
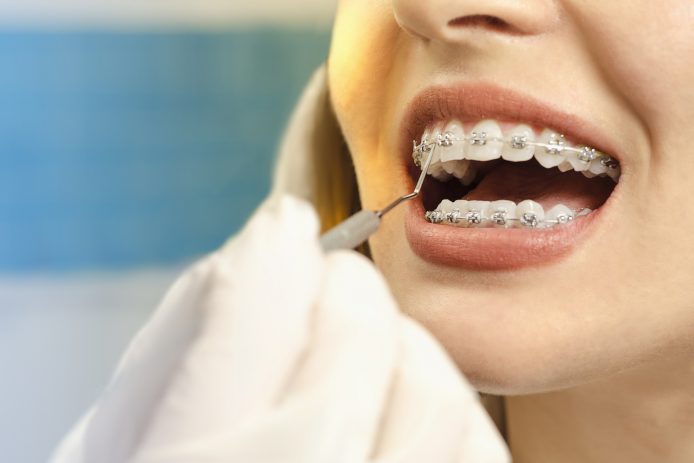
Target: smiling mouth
(505, 189)
(511, 175)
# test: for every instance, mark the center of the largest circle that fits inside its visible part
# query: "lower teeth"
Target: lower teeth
(528, 215)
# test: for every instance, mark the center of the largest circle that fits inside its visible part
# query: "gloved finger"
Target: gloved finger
(255, 331)
(434, 415)
(332, 409)
(117, 420)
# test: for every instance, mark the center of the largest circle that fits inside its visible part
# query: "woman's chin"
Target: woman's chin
(522, 358)
(504, 367)
(495, 364)
(503, 350)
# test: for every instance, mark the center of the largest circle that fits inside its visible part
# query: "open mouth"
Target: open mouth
(505, 189)
(509, 175)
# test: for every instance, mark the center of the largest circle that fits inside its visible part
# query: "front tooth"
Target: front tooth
(597, 167)
(519, 147)
(436, 169)
(477, 212)
(456, 168)
(548, 157)
(446, 206)
(453, 214)
(436, 158)
(560, 214)
(456, 150)
(440, 214)
(501, 211)
(439, 173)
(530, 214)
(565, 166)
(581, 161)
(449, 167)
(578, 165)
(461, 208)
(426, 138)
(485, 142)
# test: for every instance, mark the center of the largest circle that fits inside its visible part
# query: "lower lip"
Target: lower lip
(491, 248)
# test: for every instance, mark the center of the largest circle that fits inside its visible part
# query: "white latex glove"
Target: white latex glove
(270, 351)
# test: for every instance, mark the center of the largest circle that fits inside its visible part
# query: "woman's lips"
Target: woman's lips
(490, 248)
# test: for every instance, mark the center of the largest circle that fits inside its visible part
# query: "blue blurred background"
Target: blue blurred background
(130, 149)
(130, 144)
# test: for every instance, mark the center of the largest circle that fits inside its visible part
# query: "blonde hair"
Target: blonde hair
(314, 162)
(335, 185)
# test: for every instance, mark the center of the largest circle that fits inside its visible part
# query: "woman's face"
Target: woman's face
(525, 309)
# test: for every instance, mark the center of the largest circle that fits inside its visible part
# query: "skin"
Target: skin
(603, 368)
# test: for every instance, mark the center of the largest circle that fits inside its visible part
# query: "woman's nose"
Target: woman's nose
(451, 20)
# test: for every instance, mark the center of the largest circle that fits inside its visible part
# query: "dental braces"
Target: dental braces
(500, 219)
(556, 146)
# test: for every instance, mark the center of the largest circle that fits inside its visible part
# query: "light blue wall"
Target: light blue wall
(120, 150)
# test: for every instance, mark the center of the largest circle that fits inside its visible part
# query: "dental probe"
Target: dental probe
(358, 228)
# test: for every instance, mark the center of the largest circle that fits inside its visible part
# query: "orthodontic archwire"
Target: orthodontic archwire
(499, 218)
(556, 146)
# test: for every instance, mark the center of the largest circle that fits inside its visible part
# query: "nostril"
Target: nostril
(484, 21)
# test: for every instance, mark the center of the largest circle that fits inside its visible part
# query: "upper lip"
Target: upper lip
(471, 102)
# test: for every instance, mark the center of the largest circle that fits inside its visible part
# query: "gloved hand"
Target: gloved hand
(270, 351)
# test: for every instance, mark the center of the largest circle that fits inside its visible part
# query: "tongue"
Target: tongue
(549, 187)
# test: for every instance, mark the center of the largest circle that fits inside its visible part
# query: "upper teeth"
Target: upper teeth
(486, 142)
